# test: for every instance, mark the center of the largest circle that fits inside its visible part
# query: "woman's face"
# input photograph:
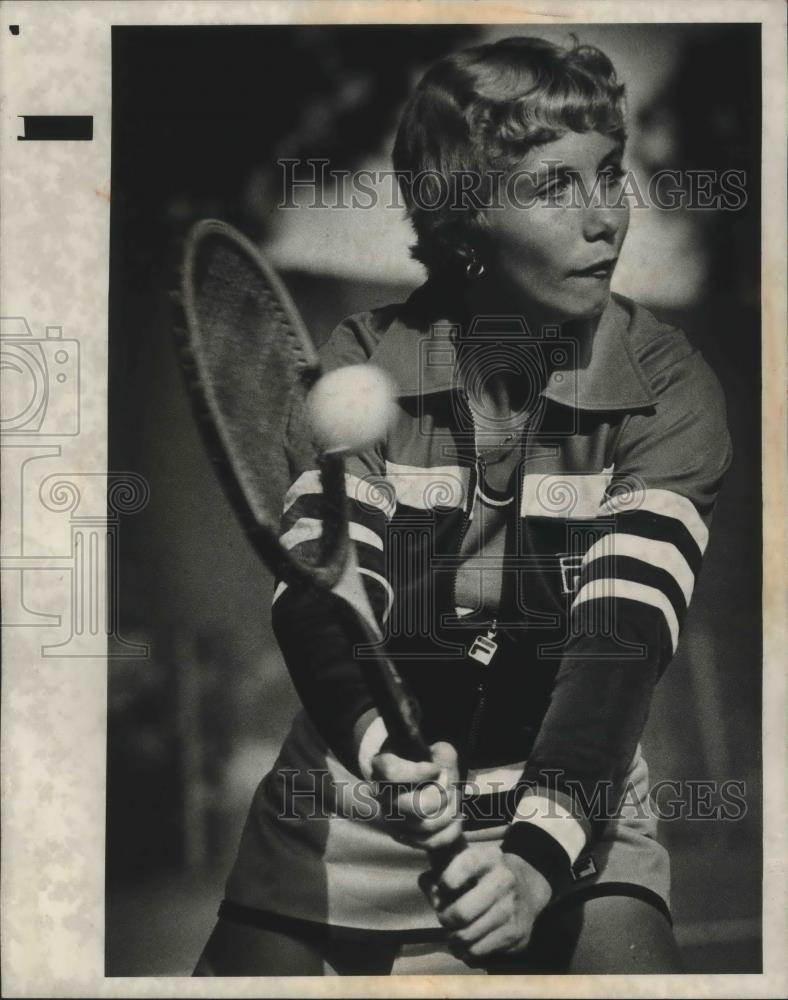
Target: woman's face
(554, 242)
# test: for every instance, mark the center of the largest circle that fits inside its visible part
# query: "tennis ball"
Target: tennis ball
(351, 408)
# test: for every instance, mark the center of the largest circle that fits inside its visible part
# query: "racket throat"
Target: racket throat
(334, 539)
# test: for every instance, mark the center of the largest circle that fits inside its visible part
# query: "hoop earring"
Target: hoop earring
(474, 269)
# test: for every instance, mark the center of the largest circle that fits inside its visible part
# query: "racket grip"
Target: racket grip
(441, 858)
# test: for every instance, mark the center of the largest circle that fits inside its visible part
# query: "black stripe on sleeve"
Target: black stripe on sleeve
(638, 571)
(632, 632)
(311, 505)
(369, 556)
(540, 850)
(661, 528)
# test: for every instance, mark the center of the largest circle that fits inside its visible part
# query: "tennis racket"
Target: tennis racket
(248, 359)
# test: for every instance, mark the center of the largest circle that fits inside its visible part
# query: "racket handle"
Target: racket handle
(400, 713)
(441, 858)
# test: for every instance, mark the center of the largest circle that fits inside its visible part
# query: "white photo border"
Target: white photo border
(54, 271)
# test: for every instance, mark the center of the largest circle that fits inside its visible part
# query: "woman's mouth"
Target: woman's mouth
(600, 269)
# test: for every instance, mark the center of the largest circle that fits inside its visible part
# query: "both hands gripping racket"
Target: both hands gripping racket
(248, 360)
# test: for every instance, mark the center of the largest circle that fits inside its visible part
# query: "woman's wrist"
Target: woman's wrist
(539, 890)
(539, 850)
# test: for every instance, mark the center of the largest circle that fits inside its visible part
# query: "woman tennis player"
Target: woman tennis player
(527, 538)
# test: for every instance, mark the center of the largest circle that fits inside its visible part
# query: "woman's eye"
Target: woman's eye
(612, 175)
(558, 186)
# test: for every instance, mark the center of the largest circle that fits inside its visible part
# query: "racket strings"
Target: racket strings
(251, 361)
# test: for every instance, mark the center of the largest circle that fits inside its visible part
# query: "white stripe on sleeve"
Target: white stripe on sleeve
(491, 780)
(307, 529)
(307, 482)
(374, 492)
(553, 818)
(386, 586)
(664, 502)
(663, 555)
(427, 487)
(281, 587)
(373, 739)
(564, 494)
(611, 589)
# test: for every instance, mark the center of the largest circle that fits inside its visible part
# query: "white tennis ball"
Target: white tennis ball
(351, 408)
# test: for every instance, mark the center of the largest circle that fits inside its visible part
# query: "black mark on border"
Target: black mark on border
(38, 128)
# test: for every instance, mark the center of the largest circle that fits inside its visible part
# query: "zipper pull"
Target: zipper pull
(481, 469)
(485, 647)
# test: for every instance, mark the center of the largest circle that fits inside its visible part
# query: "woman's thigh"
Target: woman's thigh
(235, 949)
(606, 934)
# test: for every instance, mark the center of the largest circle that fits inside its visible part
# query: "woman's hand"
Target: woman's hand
(420, 800)
(495, 915)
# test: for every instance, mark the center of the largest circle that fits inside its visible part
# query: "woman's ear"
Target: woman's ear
(465, 251)
(470, 259)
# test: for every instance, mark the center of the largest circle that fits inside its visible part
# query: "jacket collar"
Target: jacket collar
(418, 351)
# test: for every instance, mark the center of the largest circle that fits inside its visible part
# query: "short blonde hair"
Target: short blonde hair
(481, 110)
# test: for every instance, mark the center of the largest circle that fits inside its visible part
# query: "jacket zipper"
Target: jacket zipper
(476, 475)
(473, 482)
(476, 478)
(476, 722)
(481, 696)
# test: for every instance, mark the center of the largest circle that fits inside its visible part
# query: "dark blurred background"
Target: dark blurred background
(200, 117)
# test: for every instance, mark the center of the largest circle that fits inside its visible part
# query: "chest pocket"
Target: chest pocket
(561, 514)
(569, 566)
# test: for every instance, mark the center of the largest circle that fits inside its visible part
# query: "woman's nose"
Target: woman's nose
(603, 222)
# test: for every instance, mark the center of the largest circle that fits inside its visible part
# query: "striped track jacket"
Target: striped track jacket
(619, 471)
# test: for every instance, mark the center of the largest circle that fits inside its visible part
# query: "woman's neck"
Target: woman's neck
(487, 298)
(502, 389)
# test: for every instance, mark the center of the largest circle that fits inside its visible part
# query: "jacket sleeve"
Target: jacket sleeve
(319, 632)
(635, 586)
